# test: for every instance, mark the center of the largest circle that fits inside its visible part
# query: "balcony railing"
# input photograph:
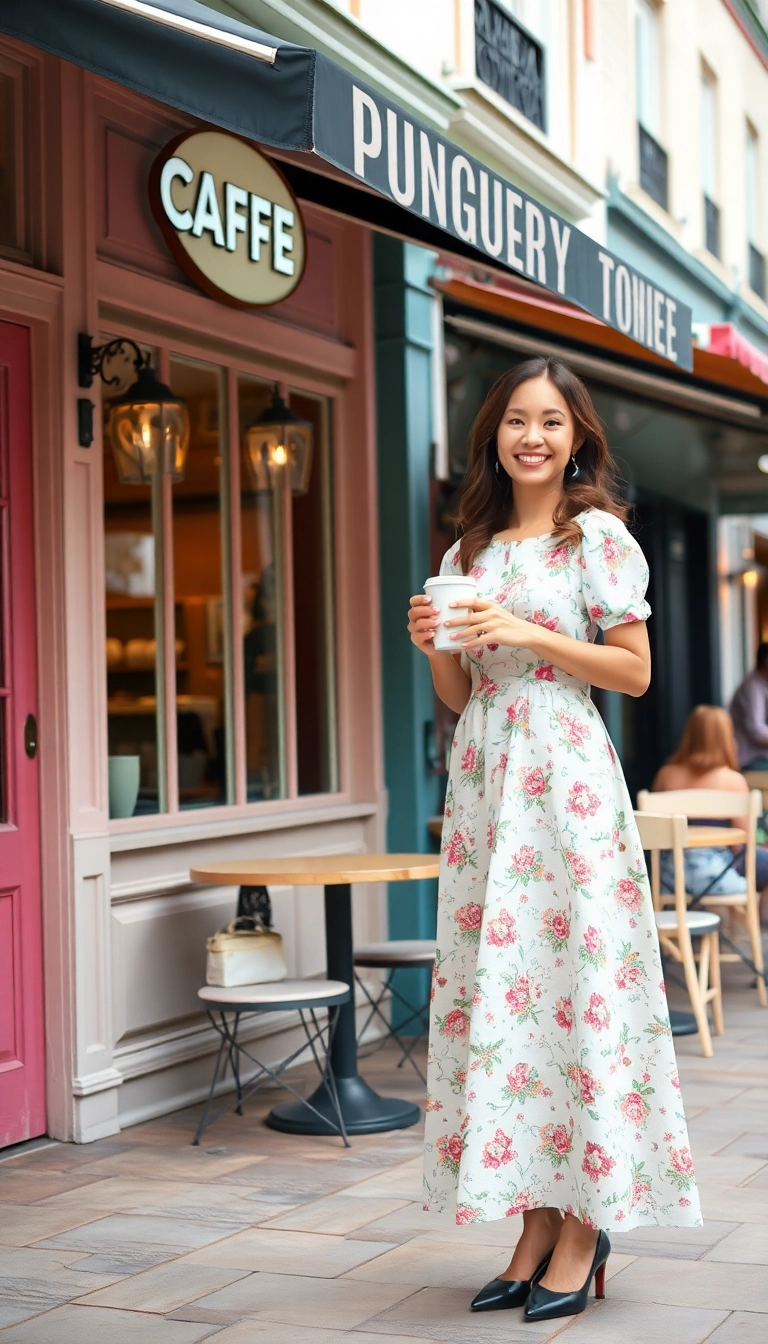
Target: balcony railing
(654, 168)
(711, 227)
(756, 271)
(510, 61)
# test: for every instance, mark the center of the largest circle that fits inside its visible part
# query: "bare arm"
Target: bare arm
(622, 663)
(451, 682)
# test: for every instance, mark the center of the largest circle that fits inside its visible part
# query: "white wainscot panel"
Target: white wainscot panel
(159, 954)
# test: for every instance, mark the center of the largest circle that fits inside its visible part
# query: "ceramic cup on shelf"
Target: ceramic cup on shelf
(123, 785)
(442, 591)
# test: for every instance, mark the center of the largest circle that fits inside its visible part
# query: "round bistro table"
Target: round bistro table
(364, 1111)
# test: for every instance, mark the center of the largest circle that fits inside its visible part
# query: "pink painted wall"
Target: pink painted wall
(95, 260)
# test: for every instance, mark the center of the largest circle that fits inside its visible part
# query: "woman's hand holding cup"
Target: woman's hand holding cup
(448, 598)
(423, 620)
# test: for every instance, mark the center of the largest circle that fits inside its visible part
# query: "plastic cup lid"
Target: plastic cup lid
(463, 579)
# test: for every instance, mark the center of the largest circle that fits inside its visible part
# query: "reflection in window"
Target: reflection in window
(199, 608)
(131, 650)
(314, 634)
(263, 659)
(178, 598)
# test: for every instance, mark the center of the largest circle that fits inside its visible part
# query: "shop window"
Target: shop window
(202, 753)
(262, 587)
(312, 564)
(224, 576)
(133, 603)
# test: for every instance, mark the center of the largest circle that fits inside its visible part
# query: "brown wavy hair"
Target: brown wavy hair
(708, 740)
(485, 501)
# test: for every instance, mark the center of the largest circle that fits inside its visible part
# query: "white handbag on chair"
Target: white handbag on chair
(245, 953)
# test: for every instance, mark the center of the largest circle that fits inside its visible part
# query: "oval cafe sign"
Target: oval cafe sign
(229, 217)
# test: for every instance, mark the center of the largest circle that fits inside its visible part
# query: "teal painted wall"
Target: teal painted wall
(403, 327)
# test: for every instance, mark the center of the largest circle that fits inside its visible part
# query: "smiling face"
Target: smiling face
(536, 435)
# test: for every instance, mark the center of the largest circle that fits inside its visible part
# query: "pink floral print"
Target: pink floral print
(552, 1078)
(498, 1151)
(581, 801)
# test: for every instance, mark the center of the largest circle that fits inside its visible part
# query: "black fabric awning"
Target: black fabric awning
(419, 184)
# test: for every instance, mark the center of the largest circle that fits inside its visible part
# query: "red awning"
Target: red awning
(722, 338)
(521, 302)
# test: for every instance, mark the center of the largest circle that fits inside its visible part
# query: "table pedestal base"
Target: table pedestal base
(364, 1111)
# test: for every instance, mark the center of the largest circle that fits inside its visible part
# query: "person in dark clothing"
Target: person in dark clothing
(260, 680)
(749, 711)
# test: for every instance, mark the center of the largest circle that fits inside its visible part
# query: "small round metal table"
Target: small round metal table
(364, 1111)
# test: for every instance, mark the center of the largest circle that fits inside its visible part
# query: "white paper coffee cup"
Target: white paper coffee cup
(442, 592)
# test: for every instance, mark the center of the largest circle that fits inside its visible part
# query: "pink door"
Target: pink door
(22, 1045)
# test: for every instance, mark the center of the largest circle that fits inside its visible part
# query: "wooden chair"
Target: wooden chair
(678, 927)
(758, 779)
(720, 804)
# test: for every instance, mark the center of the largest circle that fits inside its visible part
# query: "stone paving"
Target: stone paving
(263, 1236)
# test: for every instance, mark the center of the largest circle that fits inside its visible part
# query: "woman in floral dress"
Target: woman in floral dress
(553, 1089)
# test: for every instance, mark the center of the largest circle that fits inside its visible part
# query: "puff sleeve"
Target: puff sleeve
(451, 561)
(614, 572)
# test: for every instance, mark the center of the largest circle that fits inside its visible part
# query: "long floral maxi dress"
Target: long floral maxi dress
(552, 1076)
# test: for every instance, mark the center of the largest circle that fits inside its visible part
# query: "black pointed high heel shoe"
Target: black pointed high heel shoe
(544, 1305)
(500, 1294)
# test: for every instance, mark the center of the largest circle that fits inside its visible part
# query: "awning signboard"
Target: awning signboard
(293, 98)
(369, 137)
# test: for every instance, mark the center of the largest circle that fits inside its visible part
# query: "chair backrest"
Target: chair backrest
(715, 803)
(664, 831)
(661, 831)
(721, 804)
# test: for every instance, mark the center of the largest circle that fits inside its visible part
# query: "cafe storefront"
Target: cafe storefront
(189, 509)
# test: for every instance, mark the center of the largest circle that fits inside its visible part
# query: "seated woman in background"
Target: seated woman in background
(706, 759)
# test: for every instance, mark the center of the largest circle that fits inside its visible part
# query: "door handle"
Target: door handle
(30, 736)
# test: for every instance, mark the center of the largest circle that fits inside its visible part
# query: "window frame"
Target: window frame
(232, 362)
(752, 182)
(648, 82)
(708, 122)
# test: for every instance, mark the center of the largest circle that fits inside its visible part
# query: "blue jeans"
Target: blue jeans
(702, 867)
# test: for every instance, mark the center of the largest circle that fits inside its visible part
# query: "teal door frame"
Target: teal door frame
(404, 344)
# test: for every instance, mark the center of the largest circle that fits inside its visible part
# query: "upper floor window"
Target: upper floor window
(647, 67)
(219, 601)
(755, 258)
(653, 159)
(510, 60)
(708, 160)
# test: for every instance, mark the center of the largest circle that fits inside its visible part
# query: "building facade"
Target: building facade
(244, 646)
(262, 720)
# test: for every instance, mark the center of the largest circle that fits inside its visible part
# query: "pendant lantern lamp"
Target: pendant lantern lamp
(148, 423)
(149, 431)
(278, 447)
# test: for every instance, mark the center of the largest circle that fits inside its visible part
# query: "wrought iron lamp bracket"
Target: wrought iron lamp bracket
(91, 359)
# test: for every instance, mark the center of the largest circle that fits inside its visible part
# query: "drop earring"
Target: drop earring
(497, 466)
(574, 467)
